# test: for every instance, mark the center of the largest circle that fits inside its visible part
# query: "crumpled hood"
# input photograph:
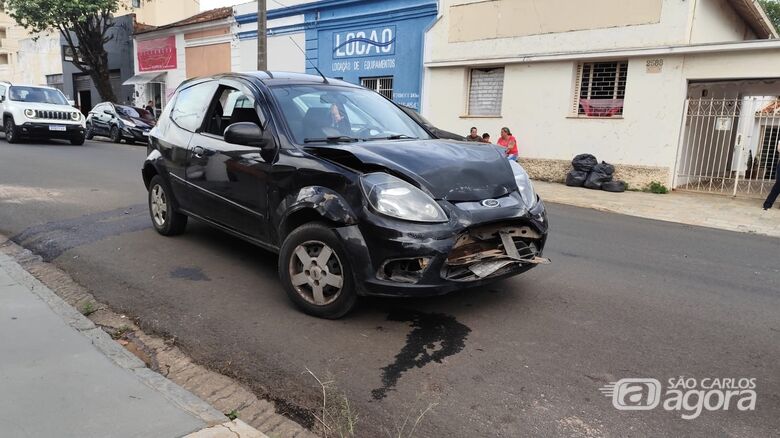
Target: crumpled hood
(450, 170)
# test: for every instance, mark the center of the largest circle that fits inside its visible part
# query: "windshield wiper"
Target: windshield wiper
(395, 137)
(332, 139)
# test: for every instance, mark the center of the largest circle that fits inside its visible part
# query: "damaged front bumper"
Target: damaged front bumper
(406, 259)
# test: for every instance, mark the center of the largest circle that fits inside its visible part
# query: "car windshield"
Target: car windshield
(137, 113)
(37, 95)
(331, 113)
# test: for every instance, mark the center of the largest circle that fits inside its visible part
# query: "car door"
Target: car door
(3, 97)
(100, 119)
(173, 134)
(232, 180)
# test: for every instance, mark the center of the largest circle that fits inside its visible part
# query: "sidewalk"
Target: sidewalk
(62, 376)
(722, 212)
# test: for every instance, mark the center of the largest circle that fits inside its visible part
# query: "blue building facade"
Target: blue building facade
(374, 43)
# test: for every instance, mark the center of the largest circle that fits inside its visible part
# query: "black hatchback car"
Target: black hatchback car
(119, 122)
(355, 196)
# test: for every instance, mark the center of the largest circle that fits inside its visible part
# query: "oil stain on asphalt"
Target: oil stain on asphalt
(192, 274)
(434, 336)
(52, 239)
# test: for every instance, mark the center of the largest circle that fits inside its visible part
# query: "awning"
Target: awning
(146, 78)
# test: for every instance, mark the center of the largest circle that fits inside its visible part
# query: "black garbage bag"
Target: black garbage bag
(584, 162)
(614, 186)
(576, 178)
(600, 174)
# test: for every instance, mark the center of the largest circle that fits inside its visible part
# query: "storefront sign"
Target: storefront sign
(157, 54)
(377, 41)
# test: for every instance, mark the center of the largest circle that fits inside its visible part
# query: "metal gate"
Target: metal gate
(729, 146)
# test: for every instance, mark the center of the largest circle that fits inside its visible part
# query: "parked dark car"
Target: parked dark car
(119, 122)
(439, 133)
(356, 197)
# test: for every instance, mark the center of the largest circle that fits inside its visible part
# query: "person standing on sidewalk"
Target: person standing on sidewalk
(770, 200)
(509, 143)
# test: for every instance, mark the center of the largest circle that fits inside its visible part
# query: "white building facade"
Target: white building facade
(621, 79)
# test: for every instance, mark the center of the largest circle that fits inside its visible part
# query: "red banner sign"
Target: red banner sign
(157, 54)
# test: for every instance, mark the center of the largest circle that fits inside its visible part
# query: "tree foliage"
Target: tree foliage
(85, 26)
(772, 8)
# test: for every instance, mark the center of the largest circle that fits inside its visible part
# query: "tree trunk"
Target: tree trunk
(100, 76)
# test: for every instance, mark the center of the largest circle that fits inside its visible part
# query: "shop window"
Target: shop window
(600, 89)
(191, 105)
(486, 91)
(382, 85)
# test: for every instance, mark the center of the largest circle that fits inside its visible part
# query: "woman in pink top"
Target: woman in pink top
(508, 142)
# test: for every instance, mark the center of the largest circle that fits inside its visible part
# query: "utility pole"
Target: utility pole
(262, 43)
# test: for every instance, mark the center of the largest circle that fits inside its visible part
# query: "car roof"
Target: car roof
(269, 78)
(30, 86)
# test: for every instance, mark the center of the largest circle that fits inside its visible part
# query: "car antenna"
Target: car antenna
(324, 79)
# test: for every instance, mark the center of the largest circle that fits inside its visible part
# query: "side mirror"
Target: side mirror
(72, 103)
(249, 134)
(108, 111)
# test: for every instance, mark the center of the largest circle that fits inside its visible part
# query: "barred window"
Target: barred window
(486, 90)
(383, 85)
(600, 89)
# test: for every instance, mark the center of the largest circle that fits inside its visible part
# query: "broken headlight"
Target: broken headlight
(524, 185)
(394, 197)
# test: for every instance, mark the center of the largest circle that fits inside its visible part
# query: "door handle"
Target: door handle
(200, 152)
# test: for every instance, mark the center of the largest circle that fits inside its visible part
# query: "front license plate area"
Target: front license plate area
(56, 128)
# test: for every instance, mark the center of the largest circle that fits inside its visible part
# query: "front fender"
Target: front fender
(326, 202)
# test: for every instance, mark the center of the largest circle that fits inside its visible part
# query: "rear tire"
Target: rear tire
(166, 220)
(11, 131)
(115, 135)
(316, 273)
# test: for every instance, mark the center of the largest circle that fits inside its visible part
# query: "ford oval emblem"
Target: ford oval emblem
(490, 203)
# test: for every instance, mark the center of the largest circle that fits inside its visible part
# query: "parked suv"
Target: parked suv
(119, 122)
(355, 196)
(39, 112)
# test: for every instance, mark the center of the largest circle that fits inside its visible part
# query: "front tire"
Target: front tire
(90, 133)
(166, 220)
(77, 141)
(115, 135)
(315, 270)
(11, 131)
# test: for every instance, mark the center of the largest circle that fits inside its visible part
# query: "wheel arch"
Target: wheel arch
(315, 204)
(151, 167)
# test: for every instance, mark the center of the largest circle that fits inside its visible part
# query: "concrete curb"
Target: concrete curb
(118, 354)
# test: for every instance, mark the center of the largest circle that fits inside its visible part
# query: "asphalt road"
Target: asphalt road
(624, 298)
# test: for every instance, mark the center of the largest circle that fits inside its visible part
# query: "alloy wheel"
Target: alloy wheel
(316, 272)
(9, 130)
(159, 205)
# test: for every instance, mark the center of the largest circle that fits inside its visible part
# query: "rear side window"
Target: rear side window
(191, 105)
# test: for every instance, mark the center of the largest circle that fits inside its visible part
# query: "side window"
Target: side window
(191, 106)
(231, 106)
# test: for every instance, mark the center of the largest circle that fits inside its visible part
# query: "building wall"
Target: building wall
(537, 102)
(550, 36)
(10, 69)
(207, 60)
(283, 33)
(39, 57)
(716, 21)
(160, 12)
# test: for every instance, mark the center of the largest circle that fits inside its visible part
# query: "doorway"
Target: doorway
(85, 101)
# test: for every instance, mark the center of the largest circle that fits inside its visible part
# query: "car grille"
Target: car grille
(52, 115)
(481, 252)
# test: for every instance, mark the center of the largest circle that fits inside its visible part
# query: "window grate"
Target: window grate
(600, 89)
(486, 90)
(382, 85)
